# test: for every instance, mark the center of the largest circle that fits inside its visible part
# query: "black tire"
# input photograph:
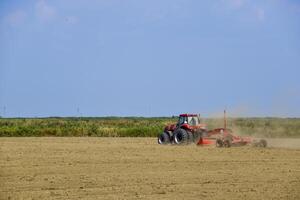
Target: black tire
(263, 143)
(260, 143)
(198, 135)
(227, 143)
(163, 138)
(191, 137)
(219, 143)
(181, 136)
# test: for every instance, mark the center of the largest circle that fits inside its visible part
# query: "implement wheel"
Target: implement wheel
(263, 143)
(219, 143)
(227, 143)
(260, 143)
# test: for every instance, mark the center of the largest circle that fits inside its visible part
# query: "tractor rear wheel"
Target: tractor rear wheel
(198, 135)
(163, 138)
(181, 136)
(191, 137)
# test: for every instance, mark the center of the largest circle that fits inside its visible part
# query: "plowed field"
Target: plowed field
(139, 168)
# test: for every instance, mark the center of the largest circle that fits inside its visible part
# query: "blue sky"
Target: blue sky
(149, 57)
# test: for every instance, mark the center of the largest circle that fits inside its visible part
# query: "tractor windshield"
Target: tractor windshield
(182, 120)
(191, 120)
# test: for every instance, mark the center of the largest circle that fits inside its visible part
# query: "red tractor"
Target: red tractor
(189, 130)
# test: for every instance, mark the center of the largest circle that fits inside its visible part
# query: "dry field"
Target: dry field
(138, 168)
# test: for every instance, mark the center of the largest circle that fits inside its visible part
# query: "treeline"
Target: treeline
(139, 126)
(98, 127)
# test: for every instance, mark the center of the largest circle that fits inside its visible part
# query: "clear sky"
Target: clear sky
(149, 57)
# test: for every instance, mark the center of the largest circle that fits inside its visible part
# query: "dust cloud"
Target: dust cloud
(290, 143)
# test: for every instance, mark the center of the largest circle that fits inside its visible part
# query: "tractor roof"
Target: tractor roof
(188, 115)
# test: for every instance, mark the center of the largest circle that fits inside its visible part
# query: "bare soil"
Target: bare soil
(139, 168)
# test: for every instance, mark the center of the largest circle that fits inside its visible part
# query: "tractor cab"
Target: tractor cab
(190, 119)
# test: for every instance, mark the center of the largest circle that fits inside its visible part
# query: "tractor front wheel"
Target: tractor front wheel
(163, 138)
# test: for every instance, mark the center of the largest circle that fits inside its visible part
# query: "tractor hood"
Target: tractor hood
(171, 127)
(199, 126)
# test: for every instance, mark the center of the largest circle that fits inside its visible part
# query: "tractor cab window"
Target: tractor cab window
(193, 121)
(182, 120)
